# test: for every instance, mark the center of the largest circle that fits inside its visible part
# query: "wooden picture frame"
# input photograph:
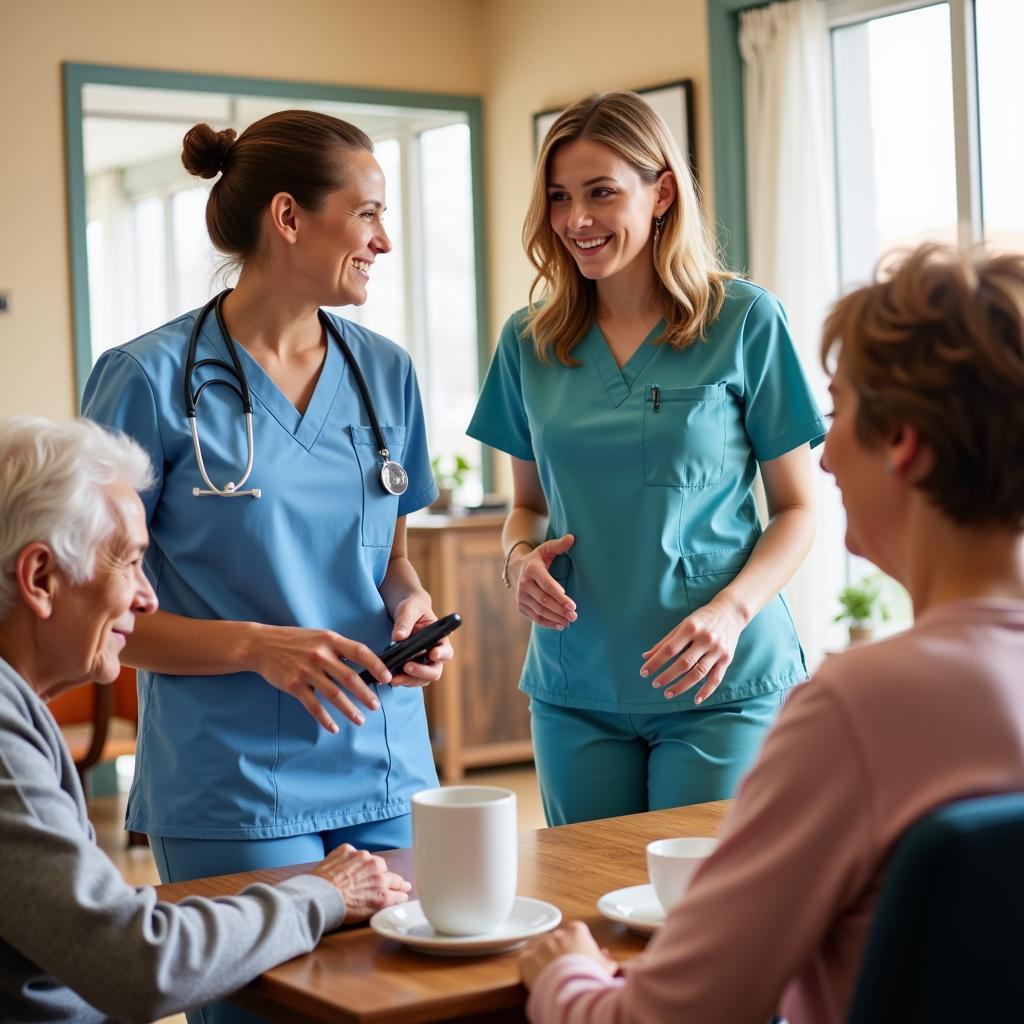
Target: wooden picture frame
(673, 100)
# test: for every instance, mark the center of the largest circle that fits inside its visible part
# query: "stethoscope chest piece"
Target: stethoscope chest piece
(393, 476)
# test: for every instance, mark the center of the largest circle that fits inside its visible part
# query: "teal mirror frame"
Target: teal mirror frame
(727, 127)
(77, 76)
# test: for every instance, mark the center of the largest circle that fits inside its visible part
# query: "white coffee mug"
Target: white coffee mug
(671, 863)
(465, 855)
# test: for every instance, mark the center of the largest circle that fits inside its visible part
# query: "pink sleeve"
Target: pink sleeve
(795, 850)
(573, 988)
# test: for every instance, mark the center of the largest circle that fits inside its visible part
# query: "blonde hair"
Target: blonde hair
(938, 342)
(562, 302)
(52, 489)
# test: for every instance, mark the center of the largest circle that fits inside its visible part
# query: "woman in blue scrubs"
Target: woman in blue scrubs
(638, 396)
(259, 744)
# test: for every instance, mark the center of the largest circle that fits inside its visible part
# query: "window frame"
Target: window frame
(729, 147)
(77, 76)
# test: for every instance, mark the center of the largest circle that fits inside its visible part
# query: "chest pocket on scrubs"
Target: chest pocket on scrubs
(380, 509)
(684, 435)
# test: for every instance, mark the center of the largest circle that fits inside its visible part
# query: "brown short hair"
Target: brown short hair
(938, 342)
(300, 152)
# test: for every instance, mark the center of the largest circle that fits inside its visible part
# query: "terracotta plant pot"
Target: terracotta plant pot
(443, 501)
(861, 634)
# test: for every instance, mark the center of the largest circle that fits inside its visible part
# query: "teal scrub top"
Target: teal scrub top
(230, 756)
(660, 499)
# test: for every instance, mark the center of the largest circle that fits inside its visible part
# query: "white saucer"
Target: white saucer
(637, 907)
(406, 923)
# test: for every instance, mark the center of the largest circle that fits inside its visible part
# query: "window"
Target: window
(149, 257)
(927, 132)
(928, 140)
(895, 160)
(999, 30)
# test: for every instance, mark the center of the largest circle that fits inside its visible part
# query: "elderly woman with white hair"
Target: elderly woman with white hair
(76, 942)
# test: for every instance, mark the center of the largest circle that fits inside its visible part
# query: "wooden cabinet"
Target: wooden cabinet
(477, 714)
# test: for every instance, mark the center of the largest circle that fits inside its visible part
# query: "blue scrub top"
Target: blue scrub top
(660, 500)
(229, 756)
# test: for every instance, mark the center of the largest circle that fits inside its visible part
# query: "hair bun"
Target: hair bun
(205, 152)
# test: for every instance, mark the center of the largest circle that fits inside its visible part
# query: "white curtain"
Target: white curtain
(792, 243)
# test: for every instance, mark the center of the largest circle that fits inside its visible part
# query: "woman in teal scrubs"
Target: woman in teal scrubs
(638, 396)
(259, 745)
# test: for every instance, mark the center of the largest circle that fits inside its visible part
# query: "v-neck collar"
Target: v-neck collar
(304, 427)
(618, 382)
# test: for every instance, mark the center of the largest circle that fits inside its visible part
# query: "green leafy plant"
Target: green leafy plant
(864, 603)
(450, 471)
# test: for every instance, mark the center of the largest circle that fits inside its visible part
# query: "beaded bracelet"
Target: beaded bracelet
(504, 568)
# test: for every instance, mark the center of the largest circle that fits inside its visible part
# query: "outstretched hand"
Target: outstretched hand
(539, 596)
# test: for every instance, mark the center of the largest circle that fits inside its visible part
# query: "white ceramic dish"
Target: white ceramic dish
(637, 907)
(407, 924)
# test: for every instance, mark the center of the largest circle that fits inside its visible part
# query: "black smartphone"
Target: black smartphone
(415, 646)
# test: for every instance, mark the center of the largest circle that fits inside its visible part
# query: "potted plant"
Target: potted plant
(450, 473)
(863, 605)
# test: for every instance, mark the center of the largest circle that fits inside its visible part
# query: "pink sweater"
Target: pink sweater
(776, 920)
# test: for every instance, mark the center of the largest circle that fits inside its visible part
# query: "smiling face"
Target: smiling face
(339, 242)
(91, 621)
(602, 209)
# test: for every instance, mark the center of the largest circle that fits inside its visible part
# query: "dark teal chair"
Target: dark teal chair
(947, 943)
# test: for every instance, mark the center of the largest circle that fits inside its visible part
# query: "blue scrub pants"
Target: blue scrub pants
(180, 860)
(599, 764)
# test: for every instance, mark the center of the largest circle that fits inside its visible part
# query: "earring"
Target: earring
(658, 222)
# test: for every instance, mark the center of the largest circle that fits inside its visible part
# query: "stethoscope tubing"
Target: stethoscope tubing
(390, 471)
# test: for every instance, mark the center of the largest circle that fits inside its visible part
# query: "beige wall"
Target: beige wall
(546, 53)
(400, 44)
(521, 55)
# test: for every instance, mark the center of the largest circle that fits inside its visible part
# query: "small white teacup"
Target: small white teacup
(671, 863)
(465, 854)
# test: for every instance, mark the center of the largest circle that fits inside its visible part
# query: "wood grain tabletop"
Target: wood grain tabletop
(356, 977)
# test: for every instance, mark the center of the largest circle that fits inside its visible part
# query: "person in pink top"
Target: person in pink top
(926, 446)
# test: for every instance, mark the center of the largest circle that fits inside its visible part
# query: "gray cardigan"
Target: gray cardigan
(79, 944)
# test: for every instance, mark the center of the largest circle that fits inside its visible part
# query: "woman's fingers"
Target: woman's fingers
(712, 683)
(416, 673)
(307, 698)
(396, 883)
(422, 673)
(545, 589)
(689, 673)
(668, 648)
(351, 650)
(545, 593)
(328, 689)
(536, 612)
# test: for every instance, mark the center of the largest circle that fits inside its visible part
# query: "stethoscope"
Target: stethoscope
(393, 476)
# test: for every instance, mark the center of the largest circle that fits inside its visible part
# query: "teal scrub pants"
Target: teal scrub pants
(181, 860)
(600, 764)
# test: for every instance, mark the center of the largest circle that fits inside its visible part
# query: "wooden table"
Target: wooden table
(355, 976)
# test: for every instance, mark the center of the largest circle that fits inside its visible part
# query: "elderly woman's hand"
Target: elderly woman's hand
(364, 881)
(575, 938)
